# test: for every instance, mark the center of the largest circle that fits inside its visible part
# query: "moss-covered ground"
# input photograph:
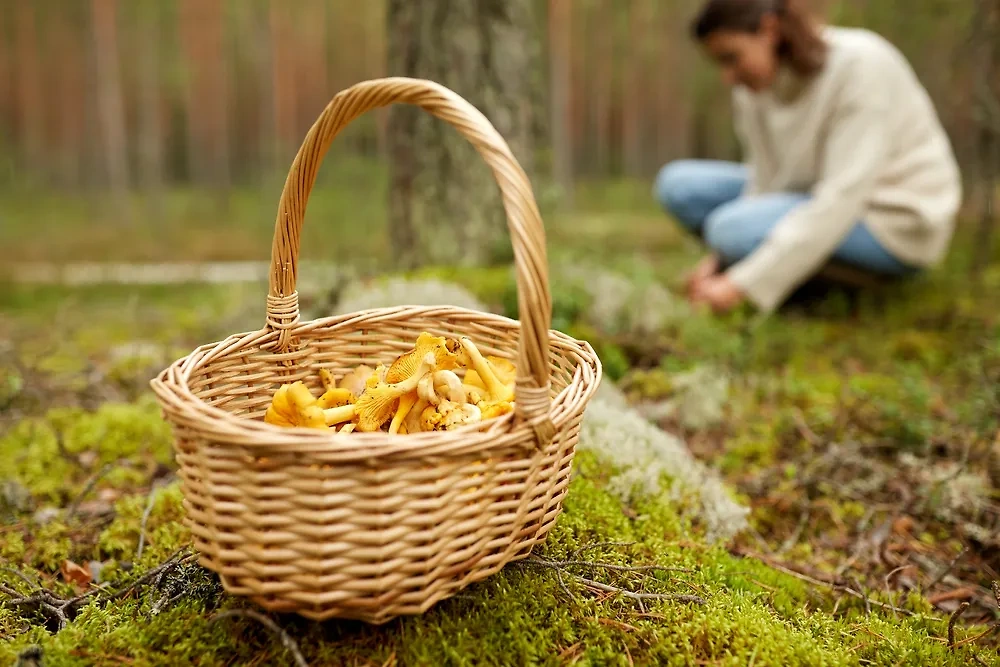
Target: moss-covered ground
(856, 430)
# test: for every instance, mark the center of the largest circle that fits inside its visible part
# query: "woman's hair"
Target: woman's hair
(801, 45)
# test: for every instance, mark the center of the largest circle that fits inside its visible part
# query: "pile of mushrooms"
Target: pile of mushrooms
(440, 384)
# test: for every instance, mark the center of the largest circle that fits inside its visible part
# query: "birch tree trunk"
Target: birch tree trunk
(444, 203)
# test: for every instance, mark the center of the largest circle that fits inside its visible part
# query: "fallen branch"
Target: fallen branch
(622, 568)
(87, 488)
(607, 588)
(826, 584)
(797, 533)
(63, 610)
(22, 576)
(286, 639)
(969, 640)
(600, 545)
(944, 572)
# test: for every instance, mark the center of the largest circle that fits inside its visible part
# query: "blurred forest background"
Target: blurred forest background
(128, 103)
(148, 141)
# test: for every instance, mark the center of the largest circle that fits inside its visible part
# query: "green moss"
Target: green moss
(51, 544)
(42, 454)
(648, 384)
(12, 548)
(165, 533)
(520, 616)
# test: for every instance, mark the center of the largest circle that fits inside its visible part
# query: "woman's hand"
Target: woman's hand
(719, 292)
(707, 267)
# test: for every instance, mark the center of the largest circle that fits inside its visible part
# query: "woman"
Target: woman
(846, 159)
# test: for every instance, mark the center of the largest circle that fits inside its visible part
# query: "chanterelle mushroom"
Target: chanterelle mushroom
(504, 370)
(294, 405)
(376, 404)
(448, 415)
(496, 390)
(445, 352)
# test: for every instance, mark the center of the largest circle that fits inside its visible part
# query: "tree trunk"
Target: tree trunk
(203, 33)
(283, 79)
(68, 86)
(444, 203)
(150, 115)
(603, 84)
(111, 112)
(632, 93)
(560, 87)
(29, 94)
(987, 25)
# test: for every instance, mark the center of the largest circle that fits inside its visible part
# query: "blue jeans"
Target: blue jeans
(704, 196)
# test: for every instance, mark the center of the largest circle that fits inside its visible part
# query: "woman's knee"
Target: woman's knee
(676, 190)
(690, 190)
(731, 234)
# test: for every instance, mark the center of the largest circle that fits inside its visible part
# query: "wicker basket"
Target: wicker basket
(371, 526)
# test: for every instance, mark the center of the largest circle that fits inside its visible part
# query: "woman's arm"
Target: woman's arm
(741, 120)
(854, 153)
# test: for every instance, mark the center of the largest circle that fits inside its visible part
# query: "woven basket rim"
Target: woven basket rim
(171, 387)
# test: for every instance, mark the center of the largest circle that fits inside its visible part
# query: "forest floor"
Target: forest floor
(855, 431)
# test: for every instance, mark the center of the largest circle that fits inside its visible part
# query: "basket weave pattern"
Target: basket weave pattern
(370, 525)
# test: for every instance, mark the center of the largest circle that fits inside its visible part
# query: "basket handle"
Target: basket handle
(523, 222)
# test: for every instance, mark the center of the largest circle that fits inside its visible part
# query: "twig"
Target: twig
(797, 533)
(63, 610)
(951, 623)
(145, 517)
(148, 576)
(868, 604)
(22, 576)
(562, 584)
(286, 639)
(944, 572)
(554, 565)
(600, 545)
(165, 602)
(641, 596)
(969, 640)
(803, 428)
(831, 585)
(621, 568)
(91, 483)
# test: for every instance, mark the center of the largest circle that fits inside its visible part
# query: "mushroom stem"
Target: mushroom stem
(496, 389)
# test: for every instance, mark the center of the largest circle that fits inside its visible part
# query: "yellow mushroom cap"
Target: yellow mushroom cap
(335, 397)
(445, 357)
(294, 405)
(376, 405)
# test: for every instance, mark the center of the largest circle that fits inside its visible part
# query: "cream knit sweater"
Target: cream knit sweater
(863, 138)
